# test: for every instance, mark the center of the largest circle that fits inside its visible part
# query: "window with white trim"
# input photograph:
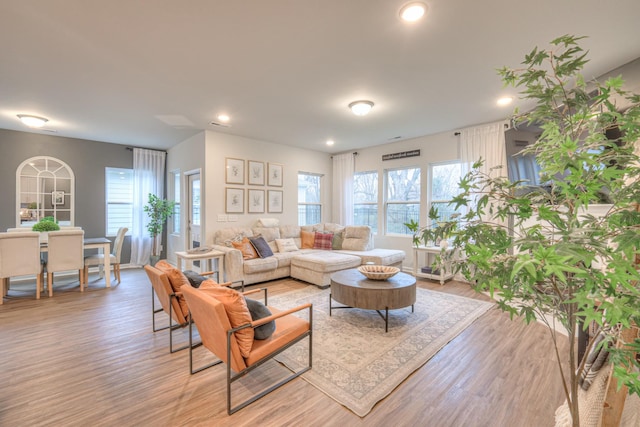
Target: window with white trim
(365, 199)
(444, 187)
(309, 198)
(402, 201)
(119, 195)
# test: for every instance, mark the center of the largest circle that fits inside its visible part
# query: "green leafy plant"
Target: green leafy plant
(544, 254)
(159, 210)
(48, 223)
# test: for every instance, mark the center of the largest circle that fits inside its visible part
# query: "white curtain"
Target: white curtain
(486, 142)
(343, 170)
(148, 177)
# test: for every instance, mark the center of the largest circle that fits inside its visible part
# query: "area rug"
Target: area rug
(355, 362)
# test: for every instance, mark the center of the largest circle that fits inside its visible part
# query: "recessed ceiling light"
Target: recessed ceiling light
(330, 142)
(32, 121)
(361, 108)
(505, 101)
(224, 118)
(413, 11)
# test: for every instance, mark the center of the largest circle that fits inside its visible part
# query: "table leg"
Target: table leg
(329, 304)
(386, 319)
(107, 264)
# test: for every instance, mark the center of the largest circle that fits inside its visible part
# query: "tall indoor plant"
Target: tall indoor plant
(159, 210)
(543, 254)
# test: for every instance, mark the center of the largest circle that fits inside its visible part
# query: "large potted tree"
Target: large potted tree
(159, 210)
(543, 254)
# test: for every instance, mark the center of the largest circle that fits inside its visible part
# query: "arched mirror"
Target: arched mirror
(45, 187)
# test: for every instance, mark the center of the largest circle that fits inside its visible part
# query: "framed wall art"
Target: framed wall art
(234, 171)
(275, 175)
(57, 198)
(274, 201)
(234, 200)
(255, 201)
(255, 172)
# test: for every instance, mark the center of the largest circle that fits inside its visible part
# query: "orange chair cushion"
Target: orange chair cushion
(237, 312)
(210, 283)
(247, 249)
(288, 328)
(177, 280)
(307, 239)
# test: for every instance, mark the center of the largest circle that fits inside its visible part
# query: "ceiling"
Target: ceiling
(152, 73)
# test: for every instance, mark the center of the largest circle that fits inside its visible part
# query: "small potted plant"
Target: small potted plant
(46, 224)
(159, 210)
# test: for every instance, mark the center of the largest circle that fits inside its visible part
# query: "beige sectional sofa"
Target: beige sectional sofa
(352, 246)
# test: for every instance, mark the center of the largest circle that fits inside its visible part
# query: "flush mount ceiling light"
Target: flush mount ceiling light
(330, 142)
(504, 101)
(361, 108)
(413, 11)
(224, 118)
(32, 121)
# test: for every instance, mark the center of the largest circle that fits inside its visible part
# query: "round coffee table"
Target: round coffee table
(354, 290)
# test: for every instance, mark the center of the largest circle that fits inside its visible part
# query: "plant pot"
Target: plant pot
(153, 259)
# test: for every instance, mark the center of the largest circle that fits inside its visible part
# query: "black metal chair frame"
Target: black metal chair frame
(172, 326)
(231, 378)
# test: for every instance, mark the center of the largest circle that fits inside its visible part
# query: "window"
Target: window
(365, 199)
(119, 194)
(403, 199)
(175, 218)
(44, 189)
(309, 206)
(444, 187)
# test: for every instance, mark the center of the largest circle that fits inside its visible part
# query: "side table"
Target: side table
(206, 257)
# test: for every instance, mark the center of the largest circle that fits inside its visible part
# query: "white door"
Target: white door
(194, 237)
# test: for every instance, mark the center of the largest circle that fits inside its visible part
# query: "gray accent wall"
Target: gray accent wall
(87, 159)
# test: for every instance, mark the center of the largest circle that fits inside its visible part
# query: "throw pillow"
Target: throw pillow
(286, 245)
(247, 249)
(323, 241)
(177, 280)
(238, 313)
(259, 311)
(338, 237)
(261, 246)
(194, 278)
(307, 238)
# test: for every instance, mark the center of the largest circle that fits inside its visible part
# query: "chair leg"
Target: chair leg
(81, 277)
(86, 274)
(50, 283)
(38, 285)
(116, 271)
(2, 286)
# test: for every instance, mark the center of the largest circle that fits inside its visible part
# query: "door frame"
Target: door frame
(187, 203)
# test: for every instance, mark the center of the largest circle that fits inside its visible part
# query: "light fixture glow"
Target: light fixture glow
(224, 118)
(361, 108)
(330, 142)
(505, 101)
(32, 121)
(413, 11)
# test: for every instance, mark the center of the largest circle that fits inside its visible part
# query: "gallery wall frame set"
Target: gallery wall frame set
(259, 174)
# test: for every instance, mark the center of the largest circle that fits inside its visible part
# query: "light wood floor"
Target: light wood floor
(92, 360)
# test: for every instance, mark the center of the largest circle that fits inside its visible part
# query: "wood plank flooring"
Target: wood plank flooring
(92, 360)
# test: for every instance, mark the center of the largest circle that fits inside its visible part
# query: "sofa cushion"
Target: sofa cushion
(326, 261)
(356, 237)
(287, 231)
(286, 245)
(261, 246)
(338, 237)
(332, 227)
(259, 311)
(260, 265)
(268, 222)
(247, 249)
(379, 256)
(307, 238)
(238, 313)
(225, 236)
(313, 227)
(323, 241)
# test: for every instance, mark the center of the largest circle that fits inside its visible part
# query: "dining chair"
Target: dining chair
(65, 252)
(19, 256)
(98, 259)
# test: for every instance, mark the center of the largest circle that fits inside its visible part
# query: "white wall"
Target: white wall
(220, 146)
(438, 148)
(187, 156)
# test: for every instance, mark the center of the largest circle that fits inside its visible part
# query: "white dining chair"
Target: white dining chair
(65, 252)
(19, 256)
(98, 259)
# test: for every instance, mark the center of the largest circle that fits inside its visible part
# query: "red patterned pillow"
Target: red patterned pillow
(323, 241)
